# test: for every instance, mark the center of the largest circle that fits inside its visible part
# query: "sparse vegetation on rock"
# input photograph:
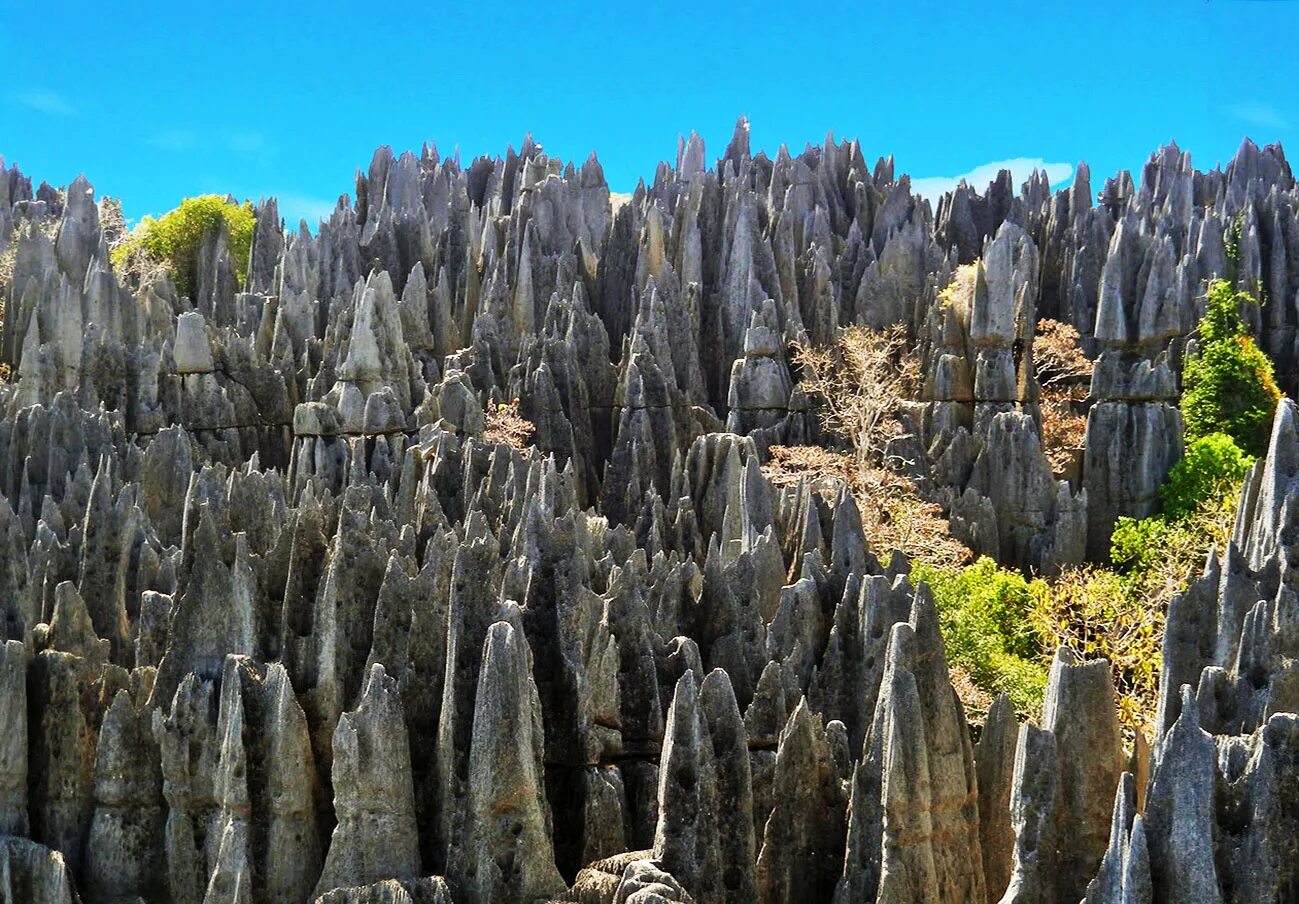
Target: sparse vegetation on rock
(173, 239)
(1228, 385)
(789, 495)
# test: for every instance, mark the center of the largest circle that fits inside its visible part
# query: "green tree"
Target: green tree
(984, 611)
(1212, 469)
(1228, 385)
(173, 239)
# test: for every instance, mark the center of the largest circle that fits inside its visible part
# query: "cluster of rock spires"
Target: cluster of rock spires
(282, 624)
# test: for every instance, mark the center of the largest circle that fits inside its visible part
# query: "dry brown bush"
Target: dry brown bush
(1058, 359)
(893, 514)
(860, 382)
(1064, 431)
(504, 424)
(974, 699)
(1064, 374)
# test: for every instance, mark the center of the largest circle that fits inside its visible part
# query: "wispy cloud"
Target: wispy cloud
(51, 103)
(295, 207)
(246, 142)
(933, 187)
(174, 140)
(1263, 116)
(241, 142)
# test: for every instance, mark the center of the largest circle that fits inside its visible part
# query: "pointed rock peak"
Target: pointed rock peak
(1001, 715)
(899, 566)
(738, 150)
(903, 647)
(379, 691)
(416, 283)
(1075, 687)
(71, 630)
(767, 714)
(850, 552)
(1283, 447)
(509, 853)
(1125, 805)
(924, 621)
(801, 726)
(764, 336)
(690, 157)
(684, 695)
(717, 698)
(1189, 720)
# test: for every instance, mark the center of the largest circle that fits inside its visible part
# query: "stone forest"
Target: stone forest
(768, 534)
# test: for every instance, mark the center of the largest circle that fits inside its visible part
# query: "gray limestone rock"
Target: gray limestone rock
(374, 799)
(1035, 795)
(1080, 711)
(994, 759)
(802, 845)
(686, 841)
(507, 854)
(13, 739)
(353, 605)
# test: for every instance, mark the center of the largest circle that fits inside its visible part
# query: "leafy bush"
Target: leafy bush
(173, 239)
(1119, 614)
(1002, 629)
(1228, 385)
(1099, 613)
(985, 614)
(1212, 468)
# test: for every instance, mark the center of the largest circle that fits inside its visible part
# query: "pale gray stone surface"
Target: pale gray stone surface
(284, 617)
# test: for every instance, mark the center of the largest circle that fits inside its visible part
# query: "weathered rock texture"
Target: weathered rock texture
(281, 624)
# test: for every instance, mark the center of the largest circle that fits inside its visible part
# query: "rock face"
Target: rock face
(374, 797)
(287, 619)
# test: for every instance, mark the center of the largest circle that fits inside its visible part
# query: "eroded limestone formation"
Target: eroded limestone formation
(284, 620)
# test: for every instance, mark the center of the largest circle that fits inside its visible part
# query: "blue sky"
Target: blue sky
(155, 101)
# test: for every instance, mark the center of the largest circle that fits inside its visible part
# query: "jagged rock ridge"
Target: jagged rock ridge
(281, 624)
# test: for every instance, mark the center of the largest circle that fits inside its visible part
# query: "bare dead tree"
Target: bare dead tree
(861, 382)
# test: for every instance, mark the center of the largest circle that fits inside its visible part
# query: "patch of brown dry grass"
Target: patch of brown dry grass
(893, 514)
(975, 700)
(1064, 374)
(505, 425)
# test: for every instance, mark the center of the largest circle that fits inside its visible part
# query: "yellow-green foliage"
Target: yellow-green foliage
(1001, 629)
(1210, 470)
(1119, 613)
(962, 284)
(173, 239)
(1227, 384)
(985, 614)
(1101, 614)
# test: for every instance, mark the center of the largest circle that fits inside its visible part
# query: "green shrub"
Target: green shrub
(1138, 542)
(1101, 614)
(1212, 468)
(1228, 386)
(984, 613)
(173, 239)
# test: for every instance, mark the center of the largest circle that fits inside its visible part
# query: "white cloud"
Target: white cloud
(1263, 116)
(51, 103)
(933, 187)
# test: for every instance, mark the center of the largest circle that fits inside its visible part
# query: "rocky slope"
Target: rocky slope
(282, 624)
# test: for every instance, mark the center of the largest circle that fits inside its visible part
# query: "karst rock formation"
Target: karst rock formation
(283, 623)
